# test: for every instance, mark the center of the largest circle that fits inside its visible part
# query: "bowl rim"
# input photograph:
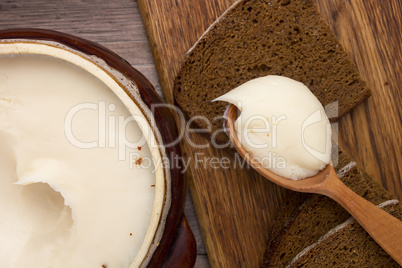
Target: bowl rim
(164, 128)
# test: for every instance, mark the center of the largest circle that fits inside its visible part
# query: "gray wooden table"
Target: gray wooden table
(116, 25)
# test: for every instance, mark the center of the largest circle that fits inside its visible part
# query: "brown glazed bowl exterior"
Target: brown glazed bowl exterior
(176, 248)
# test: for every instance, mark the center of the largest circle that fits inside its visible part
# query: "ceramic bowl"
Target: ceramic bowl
(169, 241)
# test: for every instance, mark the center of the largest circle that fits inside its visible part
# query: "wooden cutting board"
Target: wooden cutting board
(235, 206)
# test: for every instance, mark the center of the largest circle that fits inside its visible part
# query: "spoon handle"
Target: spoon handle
(385, 229)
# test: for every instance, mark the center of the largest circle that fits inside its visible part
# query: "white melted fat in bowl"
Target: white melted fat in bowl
(73, 189)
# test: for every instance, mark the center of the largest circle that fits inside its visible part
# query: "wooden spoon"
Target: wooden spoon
(383, 227)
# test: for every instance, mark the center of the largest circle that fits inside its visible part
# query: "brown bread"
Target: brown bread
(301, 225)
(348, 245)
(255, 38)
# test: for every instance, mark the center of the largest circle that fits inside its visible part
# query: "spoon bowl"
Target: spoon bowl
(385, 229)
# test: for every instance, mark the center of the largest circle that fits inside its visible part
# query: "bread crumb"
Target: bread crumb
(138, 161)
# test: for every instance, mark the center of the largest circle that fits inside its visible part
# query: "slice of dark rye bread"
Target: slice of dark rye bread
(256, 38)
(314, 231)
(348, 245)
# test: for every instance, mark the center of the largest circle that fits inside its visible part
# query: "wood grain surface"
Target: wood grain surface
(235, 206)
